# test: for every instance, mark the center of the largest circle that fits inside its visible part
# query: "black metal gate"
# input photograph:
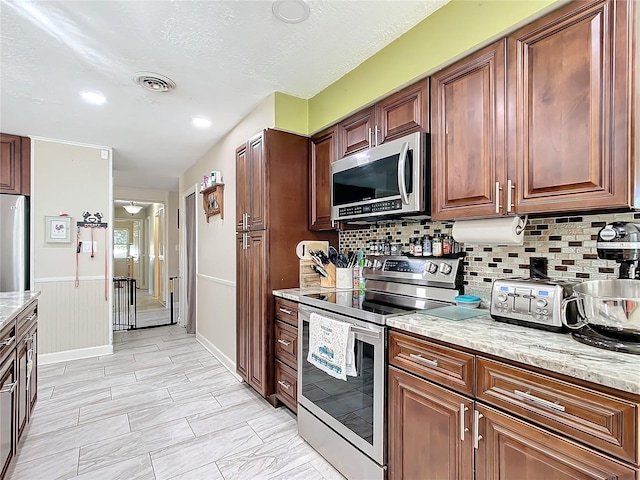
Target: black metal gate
(124, 303)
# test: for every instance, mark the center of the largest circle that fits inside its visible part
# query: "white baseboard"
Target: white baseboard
(67, 355)
(222, 358)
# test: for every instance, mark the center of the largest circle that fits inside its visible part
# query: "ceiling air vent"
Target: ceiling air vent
(154, 81)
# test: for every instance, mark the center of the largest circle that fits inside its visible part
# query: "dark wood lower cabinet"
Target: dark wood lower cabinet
(8, 418)
(513, 449)
(426, 437)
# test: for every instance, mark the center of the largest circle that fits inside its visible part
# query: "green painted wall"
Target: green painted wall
(291, 113)
(451, 32)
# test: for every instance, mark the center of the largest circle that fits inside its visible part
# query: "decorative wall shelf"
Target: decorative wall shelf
(213, 200)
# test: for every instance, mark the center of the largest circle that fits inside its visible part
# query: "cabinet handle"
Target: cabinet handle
(376, 136)
(426, 361)
(8, 341)
(28, 339)
(476, 425)
(498, 189)
(32, 316)
(9, 388)
(284, 384)
(539, 401)
(285, 310)
(370, 138)
(284, 342)
(510, 188)
(463, 429)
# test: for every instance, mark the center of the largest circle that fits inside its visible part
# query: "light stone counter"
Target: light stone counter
(13, 303)
(555, 352)
(293, 294)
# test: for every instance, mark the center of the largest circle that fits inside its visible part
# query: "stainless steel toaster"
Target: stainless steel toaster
(531, 302)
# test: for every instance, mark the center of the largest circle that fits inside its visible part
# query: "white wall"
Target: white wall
(71, 178)
(216, 257)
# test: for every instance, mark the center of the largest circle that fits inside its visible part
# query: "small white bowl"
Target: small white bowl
(468, 301)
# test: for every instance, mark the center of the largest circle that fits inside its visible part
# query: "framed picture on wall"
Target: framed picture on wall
(57, 229)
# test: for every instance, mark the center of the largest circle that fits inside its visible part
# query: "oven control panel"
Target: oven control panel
(437, 271)
(530, 302)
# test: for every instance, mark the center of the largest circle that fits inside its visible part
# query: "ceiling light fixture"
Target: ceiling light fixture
(132, 209)
(290, 11)
(93, 97)
(200, 122)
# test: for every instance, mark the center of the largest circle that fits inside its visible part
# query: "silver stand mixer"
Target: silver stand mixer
(609, 307)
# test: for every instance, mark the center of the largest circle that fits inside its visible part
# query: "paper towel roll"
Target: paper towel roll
(491, 231)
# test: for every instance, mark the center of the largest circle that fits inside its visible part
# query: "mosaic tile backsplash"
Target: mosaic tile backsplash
(568, 243)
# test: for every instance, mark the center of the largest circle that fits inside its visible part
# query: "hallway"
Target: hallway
(161, 407)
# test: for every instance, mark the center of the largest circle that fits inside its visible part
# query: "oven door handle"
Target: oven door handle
(402, 184)
(365, 331)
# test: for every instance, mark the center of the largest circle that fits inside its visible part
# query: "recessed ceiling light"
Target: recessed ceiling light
(93, 97)
(290, 11)
(200, 122)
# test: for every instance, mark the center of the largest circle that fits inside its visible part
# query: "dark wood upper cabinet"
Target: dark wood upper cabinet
(468, 135)
(399, 114)
(251, 186)
(404, 112)
(15, 164)
(569, 89)
(322, 151)
(356, 132)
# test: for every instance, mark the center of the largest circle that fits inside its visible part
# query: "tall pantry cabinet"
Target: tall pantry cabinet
(272, 200)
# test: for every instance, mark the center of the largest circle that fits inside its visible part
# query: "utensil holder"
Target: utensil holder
(329, 281)
(344, 278)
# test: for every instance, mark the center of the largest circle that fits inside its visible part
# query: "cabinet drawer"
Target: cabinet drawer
(600, 420)
(287, 385)
(438, 363)
(8, 339)
(287, 311)
(26, 320)
(286, 347)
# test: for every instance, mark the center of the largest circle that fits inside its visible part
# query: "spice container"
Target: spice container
(436, 246)
(446, 245)
(426, 246)
(412, 246)
(418, 247)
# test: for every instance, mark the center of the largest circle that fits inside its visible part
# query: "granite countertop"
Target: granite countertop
(555, 352)
(293, 294)
(12, 303)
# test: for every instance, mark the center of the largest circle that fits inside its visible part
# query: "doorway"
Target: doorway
(189, 262)
(139, 260)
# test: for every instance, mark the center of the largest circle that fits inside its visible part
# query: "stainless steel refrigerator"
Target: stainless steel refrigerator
(14, 243)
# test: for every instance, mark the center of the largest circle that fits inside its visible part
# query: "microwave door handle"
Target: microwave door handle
(402, 184)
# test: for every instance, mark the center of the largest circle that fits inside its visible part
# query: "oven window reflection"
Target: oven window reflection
(350, 402)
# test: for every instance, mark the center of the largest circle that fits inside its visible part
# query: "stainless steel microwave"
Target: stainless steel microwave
(390, 180)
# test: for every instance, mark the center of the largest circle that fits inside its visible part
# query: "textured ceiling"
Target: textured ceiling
(225, 57)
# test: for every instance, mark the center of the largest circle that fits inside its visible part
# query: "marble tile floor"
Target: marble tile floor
(160, 408)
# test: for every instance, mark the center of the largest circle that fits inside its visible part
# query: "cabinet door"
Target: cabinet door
(259, 335)
(426, 436)
(322, 151)
(242, 299)
(11, 164)
(510, 448)
(356, 132)
(468, 136)
(32, 368)
(23, 382)
(7, 413)
(404, 112)
(569, 83)
(242, 187)
(257, 183)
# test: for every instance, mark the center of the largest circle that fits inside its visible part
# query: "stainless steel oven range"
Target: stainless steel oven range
(346, 420)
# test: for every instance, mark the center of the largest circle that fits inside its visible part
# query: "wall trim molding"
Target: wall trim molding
(69, 142)
(222, 281)
(67, 355)
(68, 279)
(216, 352)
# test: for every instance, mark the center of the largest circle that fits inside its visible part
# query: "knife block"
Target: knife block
(308, 278)
(329, 281)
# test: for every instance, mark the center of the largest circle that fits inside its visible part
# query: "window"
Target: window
(120, 243)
